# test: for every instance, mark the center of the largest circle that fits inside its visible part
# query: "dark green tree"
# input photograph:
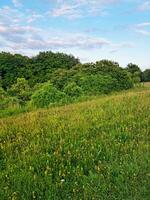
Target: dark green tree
(135, 71)
(146, 75)
(12, 67)
(132, 68)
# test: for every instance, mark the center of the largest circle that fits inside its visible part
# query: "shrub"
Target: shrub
(21, 90)
(7, 101)
(73, 90)
(47, 95)
(97, 84)
(146, 75)
(2, 93)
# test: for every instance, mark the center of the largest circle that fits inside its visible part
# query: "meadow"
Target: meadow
(93, 150)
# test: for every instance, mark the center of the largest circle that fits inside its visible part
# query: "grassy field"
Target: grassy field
(98, 149)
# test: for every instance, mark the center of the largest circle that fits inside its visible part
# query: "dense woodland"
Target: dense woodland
(57, 78)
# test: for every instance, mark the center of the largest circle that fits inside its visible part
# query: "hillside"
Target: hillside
(98, 149)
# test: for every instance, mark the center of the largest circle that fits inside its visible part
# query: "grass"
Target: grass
(98, 149)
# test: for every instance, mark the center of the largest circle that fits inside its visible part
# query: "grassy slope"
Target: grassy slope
(99, 149)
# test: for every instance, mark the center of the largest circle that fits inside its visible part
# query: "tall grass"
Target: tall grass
(98, 149)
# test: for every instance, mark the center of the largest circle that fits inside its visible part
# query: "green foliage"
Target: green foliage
(55, 60)
(136, 73)
(30, 75)
(146, 75)
(116, 72)
(36, 69)
(12, 67)
(2, 93)
(7, 101)
(73, 90)
(46, 95)
(102, 77)
(21, 90)
(119, 77)
(136, 77)
(62, 77)
(97, 84)
(132, 68)
(98, 150)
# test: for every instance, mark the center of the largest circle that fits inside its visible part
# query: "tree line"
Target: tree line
(58, 78)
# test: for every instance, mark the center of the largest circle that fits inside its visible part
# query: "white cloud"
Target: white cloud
(29, 37)
(17, 3)
(142, 28)
(70, 11)
(145, 6)
(33, 17)
(17, 34)
(80, 8)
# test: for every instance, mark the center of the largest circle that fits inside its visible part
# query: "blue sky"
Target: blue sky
(89, 29)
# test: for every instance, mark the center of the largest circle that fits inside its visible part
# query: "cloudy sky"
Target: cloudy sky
(89, 29)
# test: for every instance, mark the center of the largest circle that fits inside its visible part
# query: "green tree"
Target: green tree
(36, 69)
(62, 77)
(7, 101)
(113, 69)
(21, 90)
(73, 90)
(146, 75)
(132, 68)
(12, 67)
(52, 60)
(98, 84)
(46, 95)
(135, 72)
(136, 77)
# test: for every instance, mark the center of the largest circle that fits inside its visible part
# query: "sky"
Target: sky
(91, 30)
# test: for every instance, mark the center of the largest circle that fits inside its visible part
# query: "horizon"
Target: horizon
(91, 30)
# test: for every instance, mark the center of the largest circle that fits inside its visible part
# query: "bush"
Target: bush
(47, 95)
(2, 93)
(21, 90)
(102, 77)
(146, 75)
(73, 90)
(7, 101)
(97, 84)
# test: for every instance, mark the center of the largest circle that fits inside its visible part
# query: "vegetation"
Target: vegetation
(50, 79)
(56, 79)
(146, 75)
(97, 149)
(35, 70)
(46, 95)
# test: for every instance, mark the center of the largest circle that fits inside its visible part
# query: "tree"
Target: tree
(111, 68)
(73, 90)
(7, 101)
(135, 71)
(12, 67)
(36, 70)
(146, 75)
(45, 95)
(136, 77)
(21, 90)
(132, 68)
(50, 60)
(62, 77)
